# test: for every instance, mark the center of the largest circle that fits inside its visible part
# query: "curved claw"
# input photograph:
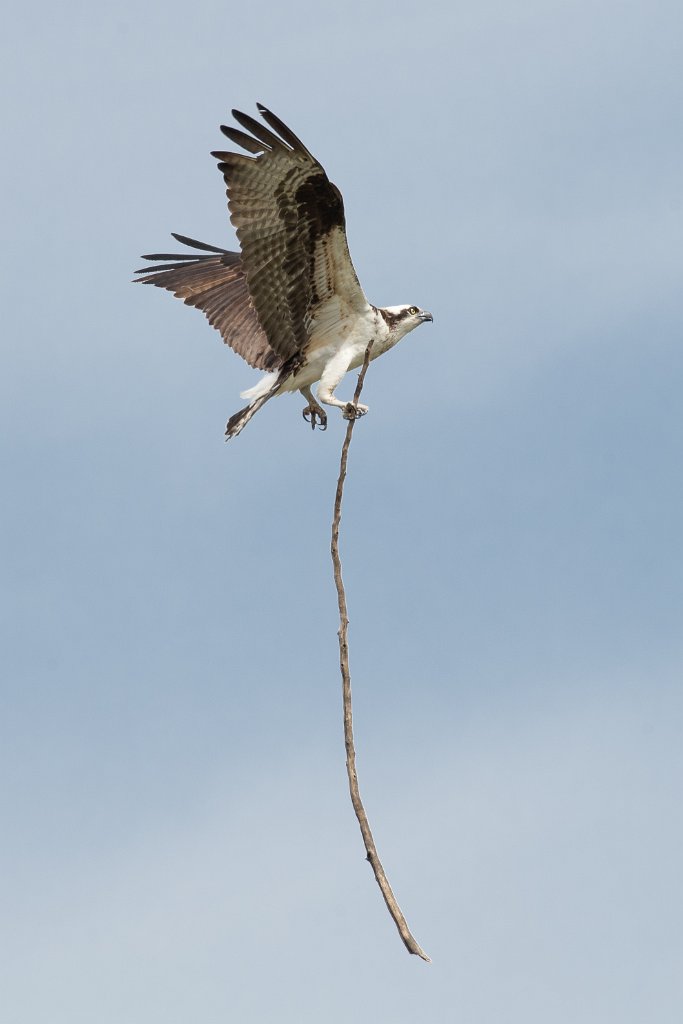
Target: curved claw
(354, 412)
(318, 418)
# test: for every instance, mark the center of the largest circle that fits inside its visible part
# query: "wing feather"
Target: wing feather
(284, 132)
(289, 218)
(270, 140)
(217, 285)
(295, 264)
(240, 139)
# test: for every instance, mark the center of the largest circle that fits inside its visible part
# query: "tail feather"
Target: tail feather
(239, 420)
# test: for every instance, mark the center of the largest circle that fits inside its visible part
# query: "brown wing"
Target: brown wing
(289, 219)
(216, 284)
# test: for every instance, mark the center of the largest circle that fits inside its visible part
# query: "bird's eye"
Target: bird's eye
(413, 310)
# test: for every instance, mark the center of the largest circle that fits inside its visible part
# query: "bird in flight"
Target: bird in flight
(290, 302)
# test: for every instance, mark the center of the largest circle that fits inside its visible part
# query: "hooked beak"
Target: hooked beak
(424, 316)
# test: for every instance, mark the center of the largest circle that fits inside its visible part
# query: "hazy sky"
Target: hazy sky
(178, 843)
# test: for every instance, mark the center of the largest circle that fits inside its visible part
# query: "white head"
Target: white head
(402, 319)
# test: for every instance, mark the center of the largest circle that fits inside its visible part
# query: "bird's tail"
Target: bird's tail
(239, 420)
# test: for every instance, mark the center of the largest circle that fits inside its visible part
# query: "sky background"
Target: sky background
(178, 842)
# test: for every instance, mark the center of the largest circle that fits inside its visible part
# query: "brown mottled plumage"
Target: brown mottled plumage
(290, 303)
(217, 286)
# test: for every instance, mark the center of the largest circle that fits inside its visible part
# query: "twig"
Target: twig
(404, 931)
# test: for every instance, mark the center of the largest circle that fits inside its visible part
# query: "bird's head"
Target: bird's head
(402, 319)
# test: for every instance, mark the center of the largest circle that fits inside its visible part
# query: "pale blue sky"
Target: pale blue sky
(178, 840)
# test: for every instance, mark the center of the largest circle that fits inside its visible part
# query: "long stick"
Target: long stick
(404, 931)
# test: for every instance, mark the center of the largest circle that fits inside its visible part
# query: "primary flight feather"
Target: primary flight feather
(290, 302)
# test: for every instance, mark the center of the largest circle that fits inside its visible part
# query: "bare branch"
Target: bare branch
(372, 855)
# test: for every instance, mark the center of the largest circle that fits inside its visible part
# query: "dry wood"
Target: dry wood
(409, 941)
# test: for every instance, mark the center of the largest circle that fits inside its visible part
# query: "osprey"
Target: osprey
(290, 302)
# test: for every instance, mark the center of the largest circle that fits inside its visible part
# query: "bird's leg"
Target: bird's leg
(332, 375)
(318, 416)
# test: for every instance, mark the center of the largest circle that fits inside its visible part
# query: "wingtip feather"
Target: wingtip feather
(195, 244)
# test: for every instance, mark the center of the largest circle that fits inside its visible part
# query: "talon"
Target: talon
(318, 417)
(354, 412)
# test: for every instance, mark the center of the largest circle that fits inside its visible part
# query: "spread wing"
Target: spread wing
(216, 284)
(289, 219)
